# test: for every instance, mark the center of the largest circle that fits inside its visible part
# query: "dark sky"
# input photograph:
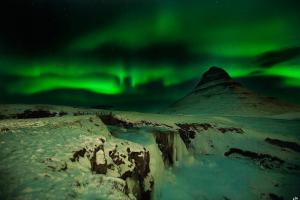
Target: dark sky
(143, 55)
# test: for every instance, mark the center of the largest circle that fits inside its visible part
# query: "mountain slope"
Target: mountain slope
(218, 93)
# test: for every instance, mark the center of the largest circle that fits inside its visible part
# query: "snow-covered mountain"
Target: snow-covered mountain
(218, 93)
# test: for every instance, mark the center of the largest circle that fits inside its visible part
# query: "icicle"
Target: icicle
(180, 152)
(156, 165)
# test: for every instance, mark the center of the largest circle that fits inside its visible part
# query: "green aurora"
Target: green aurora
(160, 46)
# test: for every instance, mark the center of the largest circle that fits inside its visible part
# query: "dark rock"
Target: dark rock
(264, 160)
(110, 166)
(116, 157)
(213, 74)
(293, 167)
(3, 117)
(106, 107)
(98, 168)
(102, 140)
(231, 129)
(64, 167)
(110, 119)
(147, 123)
(122, 155)
(139, 159)
(275, 197)
(77, 184)
(77, 154)
(186, 136)
(78, 113)
(140, 172)
(205, 126)
(126, 175)
(52, 167)
(142, 161)
(285, 144)
(188, 131)
(146, 195)
(62, 113)
(27, 114)
(4, 129)
(165, 144)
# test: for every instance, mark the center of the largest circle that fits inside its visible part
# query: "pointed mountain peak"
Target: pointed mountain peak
(214, 74)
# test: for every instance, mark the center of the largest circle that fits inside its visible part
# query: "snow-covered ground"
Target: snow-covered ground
(95, 154)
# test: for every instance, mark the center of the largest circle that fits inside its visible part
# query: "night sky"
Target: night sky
(143, 55)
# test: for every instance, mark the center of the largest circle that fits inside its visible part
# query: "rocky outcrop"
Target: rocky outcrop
(120, 159)
(113, 120)
(214, 74)
(165, 143)
(27, 114)
(264, 160)
(110, 119)
(284, 144)
(231, 129)
(189, 131)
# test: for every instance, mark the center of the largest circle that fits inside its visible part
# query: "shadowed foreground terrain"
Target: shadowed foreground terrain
(96, 154)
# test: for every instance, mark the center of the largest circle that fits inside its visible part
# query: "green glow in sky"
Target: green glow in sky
(110, 79)
(285, 71)
(132, 32)
(290, 74)
(220, 39)
(35, 85)
(152, 47)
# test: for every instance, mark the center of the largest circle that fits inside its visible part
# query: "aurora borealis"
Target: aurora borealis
(130, 53)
